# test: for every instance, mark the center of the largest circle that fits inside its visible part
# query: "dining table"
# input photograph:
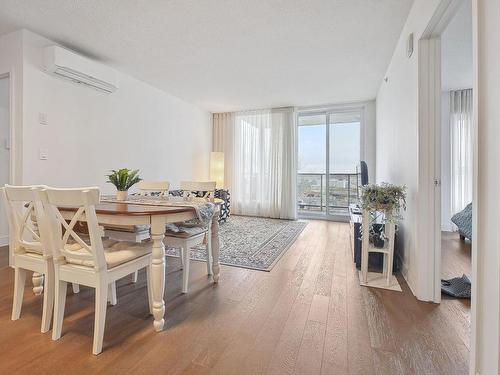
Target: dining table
(157, 215)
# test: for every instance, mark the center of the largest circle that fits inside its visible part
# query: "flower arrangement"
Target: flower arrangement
(123, 179)
(387, 201)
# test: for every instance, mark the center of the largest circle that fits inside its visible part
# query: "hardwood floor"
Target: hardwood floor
(456, 261)
(456, 255)
(307, 316)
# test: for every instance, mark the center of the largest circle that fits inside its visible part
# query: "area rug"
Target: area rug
(251, 242)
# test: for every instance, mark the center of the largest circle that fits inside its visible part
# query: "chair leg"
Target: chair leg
(134, 276)
(59, 303)
(101, 299)
(76, 288)
(112, 293)
(19, 282)
(185, 271)
(48, 298)
(209, 251)
(181, 253)
(150, 291)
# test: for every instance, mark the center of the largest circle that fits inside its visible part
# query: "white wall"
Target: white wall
(89, 132)
(397, 132)
(4, 152)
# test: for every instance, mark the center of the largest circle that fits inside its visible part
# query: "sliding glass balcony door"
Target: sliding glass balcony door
(328, 163)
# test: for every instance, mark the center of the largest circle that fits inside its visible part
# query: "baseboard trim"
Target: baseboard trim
(4, 240)
(447, 228)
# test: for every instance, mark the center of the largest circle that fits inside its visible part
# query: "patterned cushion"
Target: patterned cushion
(225, 208)
(185, 233)
(463, 220)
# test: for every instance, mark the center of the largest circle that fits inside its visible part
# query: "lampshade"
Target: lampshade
(217, 168)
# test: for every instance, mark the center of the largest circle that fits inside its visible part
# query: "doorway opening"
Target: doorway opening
(447, 117)
(457, 79)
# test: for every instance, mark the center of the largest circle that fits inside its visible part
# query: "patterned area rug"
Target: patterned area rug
(251, 242)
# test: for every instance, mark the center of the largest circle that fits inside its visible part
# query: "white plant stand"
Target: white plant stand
(384, 280)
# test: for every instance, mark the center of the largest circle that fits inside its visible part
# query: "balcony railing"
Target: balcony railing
(312, 195)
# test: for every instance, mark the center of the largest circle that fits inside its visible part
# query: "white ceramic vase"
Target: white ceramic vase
(121, 195)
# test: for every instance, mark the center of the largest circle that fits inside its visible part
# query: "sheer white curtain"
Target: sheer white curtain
(461, 148)
(260, 161)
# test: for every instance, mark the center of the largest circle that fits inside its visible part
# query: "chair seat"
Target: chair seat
(115, 252)
(31, 250)
(184, 232)
(30, 254)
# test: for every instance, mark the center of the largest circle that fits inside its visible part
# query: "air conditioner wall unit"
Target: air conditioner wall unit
(69, 65)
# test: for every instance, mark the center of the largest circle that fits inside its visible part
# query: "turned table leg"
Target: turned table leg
(158, 271)
(37, 278)
(215, 249)
(37, 281)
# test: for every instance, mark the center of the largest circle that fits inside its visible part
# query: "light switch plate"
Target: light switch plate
(43, 119)
(43, 153)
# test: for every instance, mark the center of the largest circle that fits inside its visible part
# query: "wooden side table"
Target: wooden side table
(387, 250)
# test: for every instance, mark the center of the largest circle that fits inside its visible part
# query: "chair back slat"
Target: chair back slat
(84, 201)
(26, 218)
(73, 196)
(157, 188)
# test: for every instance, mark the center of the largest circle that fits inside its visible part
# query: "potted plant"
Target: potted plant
(123, 179)
(386, 201)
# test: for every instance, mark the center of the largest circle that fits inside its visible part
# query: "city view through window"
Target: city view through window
(328, 161)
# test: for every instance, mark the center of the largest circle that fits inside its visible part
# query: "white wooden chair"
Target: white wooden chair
(31, 249)
(197, 234)
(138, 233)
(91, 262)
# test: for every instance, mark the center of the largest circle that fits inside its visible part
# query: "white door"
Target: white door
(4, 152)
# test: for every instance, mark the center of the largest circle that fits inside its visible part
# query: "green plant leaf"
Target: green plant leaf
(124, 178)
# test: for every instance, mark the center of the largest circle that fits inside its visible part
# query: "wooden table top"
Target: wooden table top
(127, 209)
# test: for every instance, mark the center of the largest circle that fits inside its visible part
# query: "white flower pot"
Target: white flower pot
(121, 195)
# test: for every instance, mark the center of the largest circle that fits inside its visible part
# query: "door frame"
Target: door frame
(15, 128)
(429, 148)
(5, 240)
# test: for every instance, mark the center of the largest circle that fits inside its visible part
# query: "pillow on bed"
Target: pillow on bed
(463, 220)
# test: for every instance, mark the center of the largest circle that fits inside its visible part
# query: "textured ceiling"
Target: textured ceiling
(229, 55)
